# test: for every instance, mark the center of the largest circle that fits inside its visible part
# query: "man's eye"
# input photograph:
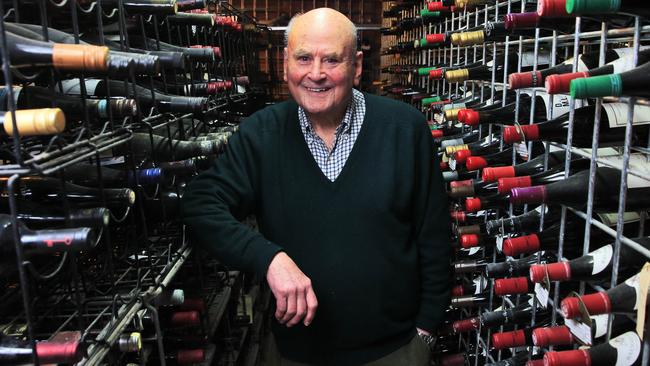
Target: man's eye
(303, 59)
(331, 61)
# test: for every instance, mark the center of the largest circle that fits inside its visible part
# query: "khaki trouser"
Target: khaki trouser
(415, 353)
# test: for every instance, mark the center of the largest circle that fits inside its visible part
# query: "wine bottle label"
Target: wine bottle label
(581, 66)
(602, 257)
(580, 330)
(560, 104)
(542, 295)
(617, 114)
(610, 219)
(625, 62)
(528, 59)
(634, 283)
(637, 163)
(73, 87)
(599, 325)
(480, 284)
(628, 348)
(453, 106)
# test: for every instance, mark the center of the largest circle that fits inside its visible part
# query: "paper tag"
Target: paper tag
(599, 325)
(72, 86)
(610, 219)
(522, 150)
(580, 330)
(602, 257)
(542, 295)
(628, 348)
(617, 114)
(453, 106)
(528, 59)
(642, 298)
(625, 62)
(637, 163)
(452, 163)
(581, 65)
(473, 250)
(480, 283)
(634, 283)
(499, 242)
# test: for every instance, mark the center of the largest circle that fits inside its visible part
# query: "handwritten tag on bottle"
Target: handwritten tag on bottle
(580, 330)
(499, 242)
(542, 295)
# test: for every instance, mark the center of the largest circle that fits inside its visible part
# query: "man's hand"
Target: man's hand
(294, 296)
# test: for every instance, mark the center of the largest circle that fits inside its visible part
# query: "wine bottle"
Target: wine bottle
(44, 241)
(593, 266)
(24, 52)
(471, 217)
(194, 52)
(86, 174)
(512, 339)
(618, 299)
(146, 7)
(622, 350)
(180, 357)
(531, 167)
(517, 267)
(512, 286)
(543, 240)
(165, 150)
(496, 159)
(484, 72)
(40, 217)
(561, 83)
(33, 122)
(555, 174)
(164, 102)
(631, 83)
(580, 7)
(573, 192)
(505, 115)
(14, 351)
(72, 106)
(197, 19)
(526, 222)
(561, 335)
(478, 189)
(45, 189)
(483, 203)
(170, 318)
(119, 63)
(613, 116)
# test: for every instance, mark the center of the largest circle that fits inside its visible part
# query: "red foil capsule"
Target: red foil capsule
(461, 155)
(521, 245)
(472, 204)
(190, 356)
(459, 216)
(493, 174)
(577, 357)
(552, 8)
(461, 183)
(466, 325)
(185, 319)
(435, 74)
(475, 163)
(504, 340)
(598, 303)
(437, 133)
(556, 336)
(561, 83)
(560, 271)
(511, 286)
(469, 240)
(59, 352)
(506, 184)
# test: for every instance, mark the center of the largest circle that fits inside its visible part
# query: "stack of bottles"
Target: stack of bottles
(534, 138)
(108, 108)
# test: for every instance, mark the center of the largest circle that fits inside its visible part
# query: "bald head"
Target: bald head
(325, 20)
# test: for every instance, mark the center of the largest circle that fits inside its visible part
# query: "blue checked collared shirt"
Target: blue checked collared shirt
(331, 162)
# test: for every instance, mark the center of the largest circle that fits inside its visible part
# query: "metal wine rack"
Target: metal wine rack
(97, 293)
(562, 45)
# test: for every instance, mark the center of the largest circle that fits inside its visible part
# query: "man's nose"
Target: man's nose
(316, 71)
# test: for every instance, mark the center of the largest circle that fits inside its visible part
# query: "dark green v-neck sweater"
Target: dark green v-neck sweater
(373, 242)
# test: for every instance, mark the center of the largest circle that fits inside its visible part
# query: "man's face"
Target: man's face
(320, 69)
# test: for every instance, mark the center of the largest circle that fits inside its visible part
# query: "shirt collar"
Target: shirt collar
(346, 123)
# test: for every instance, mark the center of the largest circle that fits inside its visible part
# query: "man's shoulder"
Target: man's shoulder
(271, 117)
(395, 111)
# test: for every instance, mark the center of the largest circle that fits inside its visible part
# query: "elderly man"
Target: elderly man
(350, 206)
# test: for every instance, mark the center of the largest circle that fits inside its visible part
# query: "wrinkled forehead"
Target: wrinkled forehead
(312, 40)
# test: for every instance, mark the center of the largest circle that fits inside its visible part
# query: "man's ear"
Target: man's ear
(286, 64)
(358, 67)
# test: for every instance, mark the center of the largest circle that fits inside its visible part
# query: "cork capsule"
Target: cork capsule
(457, 76)
(35, 122)
(451, 114)
(456, 39)
(79, 57)
(450, 150)
(472, 38)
